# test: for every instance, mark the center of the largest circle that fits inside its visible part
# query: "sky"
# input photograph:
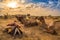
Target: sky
(46, 6)
(55, 4)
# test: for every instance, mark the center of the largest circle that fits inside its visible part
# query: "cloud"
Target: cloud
(41, 8)
(52, 7)
(53, 4)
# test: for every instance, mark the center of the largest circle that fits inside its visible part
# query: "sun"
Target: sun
(12, 4)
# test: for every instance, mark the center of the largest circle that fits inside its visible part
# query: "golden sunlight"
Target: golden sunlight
(12, 4)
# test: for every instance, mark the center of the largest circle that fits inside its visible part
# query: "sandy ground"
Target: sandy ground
(30, 33)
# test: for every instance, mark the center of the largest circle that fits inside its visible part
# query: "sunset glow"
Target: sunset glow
(12, 4)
